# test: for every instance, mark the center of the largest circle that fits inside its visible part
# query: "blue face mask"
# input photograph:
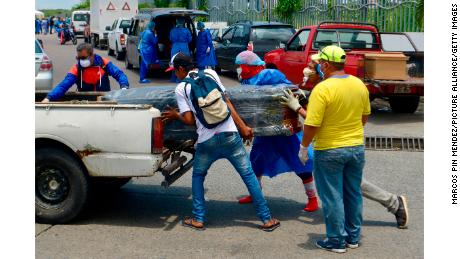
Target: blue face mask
(319, 72)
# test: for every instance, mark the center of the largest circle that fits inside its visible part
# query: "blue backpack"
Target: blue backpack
(207, 99)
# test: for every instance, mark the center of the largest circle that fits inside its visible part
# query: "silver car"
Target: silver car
(43, 69)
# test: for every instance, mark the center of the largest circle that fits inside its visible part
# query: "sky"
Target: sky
(55, 4)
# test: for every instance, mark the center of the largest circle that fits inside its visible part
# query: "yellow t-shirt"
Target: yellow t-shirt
(336, 106)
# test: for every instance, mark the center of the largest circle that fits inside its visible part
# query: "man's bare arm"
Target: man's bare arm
(245, 131)
(364, 119)
(309, 133)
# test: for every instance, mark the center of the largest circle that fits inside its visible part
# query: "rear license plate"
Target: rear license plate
(402, 89)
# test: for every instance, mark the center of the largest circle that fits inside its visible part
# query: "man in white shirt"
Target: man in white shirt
(223, 141)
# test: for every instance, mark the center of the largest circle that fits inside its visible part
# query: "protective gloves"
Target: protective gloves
(290, 100)
(208, 50)
(303, 154)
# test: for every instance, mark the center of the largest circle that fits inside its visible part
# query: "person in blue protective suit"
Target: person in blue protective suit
(205, 55)
(148, 51)
(45, 26)
(38, 26)
(90, 73)
(180, 37)
(275, 155)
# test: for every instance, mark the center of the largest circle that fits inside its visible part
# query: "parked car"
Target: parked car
(358, 40)
(43, 69)
(164, 19)
(118, 34)
(265, 36)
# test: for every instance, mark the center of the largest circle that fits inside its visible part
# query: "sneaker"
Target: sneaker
(245, 200)
(144, 81)
(330, 246)
(402, 214)
(312, 205)
(352, 245)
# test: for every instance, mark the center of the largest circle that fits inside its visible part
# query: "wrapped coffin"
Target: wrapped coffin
(258, 106)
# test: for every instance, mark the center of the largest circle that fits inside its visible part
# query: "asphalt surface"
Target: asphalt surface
(142, 220)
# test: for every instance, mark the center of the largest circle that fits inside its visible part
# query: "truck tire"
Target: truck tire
(61, 186)
(127, 64)
(109, 51)
(119, 54)
(218, 70)
(95, 41)
(404, 104)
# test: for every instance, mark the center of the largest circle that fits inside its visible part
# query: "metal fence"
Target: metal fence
(388, 15)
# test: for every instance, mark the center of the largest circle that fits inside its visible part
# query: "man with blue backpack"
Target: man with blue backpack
(202, 102)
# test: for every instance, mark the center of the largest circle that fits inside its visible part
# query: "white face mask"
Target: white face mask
(85, 62)
(238, 71)
(307, 72)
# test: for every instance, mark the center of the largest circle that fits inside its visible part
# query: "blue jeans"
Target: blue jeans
(230, 146)
(338, 173)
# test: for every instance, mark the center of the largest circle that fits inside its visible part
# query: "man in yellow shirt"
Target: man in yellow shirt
(338, 108)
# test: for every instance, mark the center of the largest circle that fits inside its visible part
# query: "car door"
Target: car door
(112, 35)
(222, 50)
(293, 60)
(237, 44)
(133, 40)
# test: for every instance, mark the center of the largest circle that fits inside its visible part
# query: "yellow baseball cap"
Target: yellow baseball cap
(330, 53)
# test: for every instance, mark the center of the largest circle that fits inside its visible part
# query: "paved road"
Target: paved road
(142, 219)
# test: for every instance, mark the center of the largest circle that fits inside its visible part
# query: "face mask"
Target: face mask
(238, 71)
(85, 62)
(319, 71)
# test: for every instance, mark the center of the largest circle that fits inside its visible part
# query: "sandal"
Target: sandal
(192, 223)
(271, 225)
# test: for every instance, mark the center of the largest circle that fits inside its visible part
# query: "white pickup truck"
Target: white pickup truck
(81, 146)
(117, 37)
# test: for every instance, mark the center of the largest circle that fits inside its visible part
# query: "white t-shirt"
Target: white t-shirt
(185, 105)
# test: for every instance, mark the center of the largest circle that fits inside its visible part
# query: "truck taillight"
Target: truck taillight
(46, 64)
(157, 136)
(122, 39)
(360, 71)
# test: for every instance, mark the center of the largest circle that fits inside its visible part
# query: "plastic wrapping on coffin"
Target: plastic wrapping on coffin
(258, 106)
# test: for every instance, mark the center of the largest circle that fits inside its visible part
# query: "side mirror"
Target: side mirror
(107, 28)
(125, 30)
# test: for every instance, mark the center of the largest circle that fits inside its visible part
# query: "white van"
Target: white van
(79, 19)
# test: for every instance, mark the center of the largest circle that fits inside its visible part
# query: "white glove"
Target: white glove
(290, 100)
(208, 50)
(303, 154)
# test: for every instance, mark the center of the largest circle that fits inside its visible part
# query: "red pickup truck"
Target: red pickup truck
(357, 39)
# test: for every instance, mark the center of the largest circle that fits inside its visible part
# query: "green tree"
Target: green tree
(286, 8)
(81, 6)
(419, 13)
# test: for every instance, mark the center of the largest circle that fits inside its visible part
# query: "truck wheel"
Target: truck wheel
(95, 41)
(218, 70)
(61, 186)
(119, 54)
(109, 51)
(127, 64)
(404, 104)
(108, 183)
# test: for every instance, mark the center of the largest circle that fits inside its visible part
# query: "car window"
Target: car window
(135, 28)
(349, 39)
(299, 41)
(238, 36)
(38, 49)
(276, 33)
(228, 34)
(125, 24)
(114, 25)
(80, 17)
